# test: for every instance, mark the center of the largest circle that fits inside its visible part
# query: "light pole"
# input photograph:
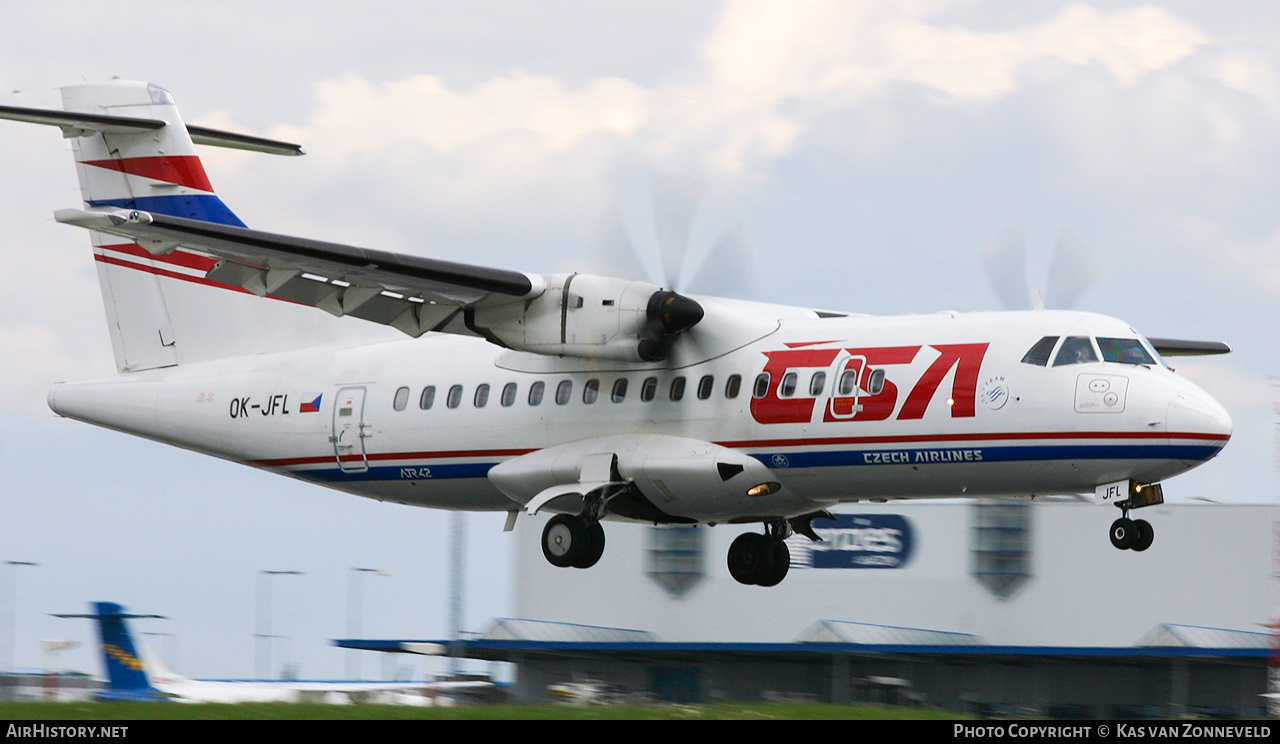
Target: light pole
(355, 615)
(11, 597)
(263, 635)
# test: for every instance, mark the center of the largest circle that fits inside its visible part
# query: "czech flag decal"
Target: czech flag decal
(310, 403)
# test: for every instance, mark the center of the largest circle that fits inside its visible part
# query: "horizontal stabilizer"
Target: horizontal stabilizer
(81, 124)
(1180, 347)
(219, 138)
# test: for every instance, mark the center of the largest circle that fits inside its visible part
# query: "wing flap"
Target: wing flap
(410, 293)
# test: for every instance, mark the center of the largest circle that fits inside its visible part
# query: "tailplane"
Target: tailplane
(133, 151)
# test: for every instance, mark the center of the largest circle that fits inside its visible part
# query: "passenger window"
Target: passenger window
(455, 396)
(677, 388)
(508, 395)
(402, 398)
(848, 382)
(1075, 350)
(648, 389)
(1039, 354)
(787, 387)
(705, 386)
(427, 398)
(817, 383)
(1124, 351)
(619, 393)
(535, 393)
(761, 386)
(482, 395)
(733, 386)
(563, 391)
(590, 391)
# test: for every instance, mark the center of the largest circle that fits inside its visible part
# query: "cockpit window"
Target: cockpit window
(1039, 354)
(1125, 351)
(1075, 350)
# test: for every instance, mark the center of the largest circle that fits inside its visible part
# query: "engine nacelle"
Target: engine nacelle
(593, 317)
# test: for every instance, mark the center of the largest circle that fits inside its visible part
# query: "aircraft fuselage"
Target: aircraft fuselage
(958, 412)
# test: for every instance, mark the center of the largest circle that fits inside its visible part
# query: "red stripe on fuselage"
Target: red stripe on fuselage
(182, 170)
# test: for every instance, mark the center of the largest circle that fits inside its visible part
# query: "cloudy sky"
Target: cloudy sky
(868, 150)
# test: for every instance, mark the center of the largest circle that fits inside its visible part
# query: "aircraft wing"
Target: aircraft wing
(568, 315)
(410, 293)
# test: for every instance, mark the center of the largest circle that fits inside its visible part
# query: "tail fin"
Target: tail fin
(133, 151)
(126, 672)
(153, 170)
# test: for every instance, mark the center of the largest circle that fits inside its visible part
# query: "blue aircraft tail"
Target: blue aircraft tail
(126, 672)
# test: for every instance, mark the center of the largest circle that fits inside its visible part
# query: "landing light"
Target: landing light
(764, 489)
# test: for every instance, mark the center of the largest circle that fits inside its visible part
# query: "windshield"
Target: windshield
(1124, 350)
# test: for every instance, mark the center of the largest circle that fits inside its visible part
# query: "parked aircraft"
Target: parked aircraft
(132, 676)
(594, 397)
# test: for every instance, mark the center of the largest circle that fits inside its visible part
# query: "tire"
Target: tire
(751, 558)
(781, 564)
(564, 540)
(595, 547)
(1144, 535)
(1123, 533)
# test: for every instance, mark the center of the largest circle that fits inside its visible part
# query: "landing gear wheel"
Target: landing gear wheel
(595, 547)
(751, 558)
(1143, 536)
(565, 540)
(781, 564)
(1123, 533)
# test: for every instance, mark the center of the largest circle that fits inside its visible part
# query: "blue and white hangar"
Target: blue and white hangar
(1010, 606)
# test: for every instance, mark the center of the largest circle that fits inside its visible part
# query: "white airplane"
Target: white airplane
(134, 676)
(594, 397)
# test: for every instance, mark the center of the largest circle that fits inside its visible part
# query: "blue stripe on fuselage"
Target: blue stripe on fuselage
(841, 458)
(981, 454)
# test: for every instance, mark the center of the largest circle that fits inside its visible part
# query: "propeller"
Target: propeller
(1073, 271)
(726, 268)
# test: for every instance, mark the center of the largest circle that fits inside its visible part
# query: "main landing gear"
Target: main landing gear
(570, 540)
(762, 560)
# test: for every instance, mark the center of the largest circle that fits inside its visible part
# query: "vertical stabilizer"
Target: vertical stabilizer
(126, 673)
(156, 170)
(133, 151)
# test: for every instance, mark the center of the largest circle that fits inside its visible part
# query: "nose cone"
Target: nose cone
(1194, 416)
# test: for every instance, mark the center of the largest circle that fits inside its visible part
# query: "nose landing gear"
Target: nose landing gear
(1135, 534)
(1132, 534)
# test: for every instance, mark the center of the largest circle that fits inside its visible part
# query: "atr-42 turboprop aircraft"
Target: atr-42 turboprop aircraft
(593, 397)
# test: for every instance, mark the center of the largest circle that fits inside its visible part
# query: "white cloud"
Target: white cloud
(771, 68)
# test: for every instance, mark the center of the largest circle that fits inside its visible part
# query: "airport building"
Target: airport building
(998, 607)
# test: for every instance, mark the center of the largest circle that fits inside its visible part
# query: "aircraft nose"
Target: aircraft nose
(1193, 411)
